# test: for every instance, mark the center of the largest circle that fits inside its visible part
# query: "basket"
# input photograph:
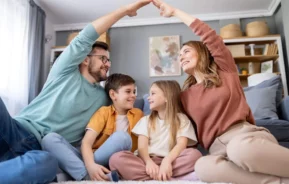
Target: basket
(103, 38)
(70, 37)
(257, 28)
(231, 31)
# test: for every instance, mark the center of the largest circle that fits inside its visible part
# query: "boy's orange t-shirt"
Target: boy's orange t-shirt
(103, 122)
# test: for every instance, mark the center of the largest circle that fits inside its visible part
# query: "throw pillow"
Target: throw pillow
(262, 102)
(146, 107)
(139, 103)
(276, 80)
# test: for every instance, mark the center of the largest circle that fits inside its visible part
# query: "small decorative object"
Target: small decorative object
(251, 68)
(257, 28)
(252, 52)
(163, 57)
(231, 31)
(267, 67)
(48, 37)
(244, 71)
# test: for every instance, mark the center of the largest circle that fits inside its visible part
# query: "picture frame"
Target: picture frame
(267, 67)
(163, 56)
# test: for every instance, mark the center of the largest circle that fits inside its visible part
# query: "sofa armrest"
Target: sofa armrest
(283, 109)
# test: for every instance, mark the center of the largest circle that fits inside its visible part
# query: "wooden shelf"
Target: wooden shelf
(257, 58)
(244, 37)
(255, 40)
(248, 75)
(59, 47)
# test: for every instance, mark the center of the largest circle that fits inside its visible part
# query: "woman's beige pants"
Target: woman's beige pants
(245, 154)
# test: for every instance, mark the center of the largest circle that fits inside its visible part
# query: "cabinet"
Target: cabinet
(57, 50)
(253, 53)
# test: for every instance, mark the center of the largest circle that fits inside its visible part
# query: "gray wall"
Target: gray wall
(130, 48)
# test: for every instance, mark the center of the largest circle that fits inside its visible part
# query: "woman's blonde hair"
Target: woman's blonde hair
(171, 90)
(206, 67)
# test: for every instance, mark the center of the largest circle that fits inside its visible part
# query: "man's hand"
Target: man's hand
(166, 170)
(152, 169)
(97, 172)
(132, 8)
(166, 10)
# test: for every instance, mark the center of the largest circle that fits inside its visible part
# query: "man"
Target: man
(68, 99)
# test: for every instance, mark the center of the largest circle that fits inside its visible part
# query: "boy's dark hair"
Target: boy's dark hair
(99, 44)
(117, 80)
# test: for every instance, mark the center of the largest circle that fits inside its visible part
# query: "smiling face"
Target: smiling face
(157, 98)
(188, 59)
(124, 97)
(96, 67)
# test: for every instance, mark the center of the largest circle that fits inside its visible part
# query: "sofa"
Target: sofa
(270, 110)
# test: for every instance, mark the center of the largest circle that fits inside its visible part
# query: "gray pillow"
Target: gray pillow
(268, 83)
(146, 107)
(139, 103)
(262, 102)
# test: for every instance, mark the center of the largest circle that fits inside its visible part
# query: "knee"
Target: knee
(49, 140)
(208, 168)
(51, 166)
(116, 160)
(44, 164)
(50, 161)
(241, 152)
(122, 139)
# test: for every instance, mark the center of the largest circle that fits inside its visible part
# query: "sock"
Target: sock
(86, 177)
(113, 176)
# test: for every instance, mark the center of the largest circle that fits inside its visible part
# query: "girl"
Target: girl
(213, 97)
(163, 138)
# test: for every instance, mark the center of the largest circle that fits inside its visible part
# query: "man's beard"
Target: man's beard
(96, 74)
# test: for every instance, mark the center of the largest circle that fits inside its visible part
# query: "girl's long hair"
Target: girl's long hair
(206, 67)
(171, 90)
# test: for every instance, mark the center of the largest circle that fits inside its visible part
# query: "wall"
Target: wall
(48, 45)
(130, 48)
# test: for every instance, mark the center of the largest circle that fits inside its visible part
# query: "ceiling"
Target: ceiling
(72, 14)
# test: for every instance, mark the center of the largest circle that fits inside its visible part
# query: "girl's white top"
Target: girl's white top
(159, 140)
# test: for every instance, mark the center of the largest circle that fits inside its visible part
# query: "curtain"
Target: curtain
(14, 25)
(36, 49)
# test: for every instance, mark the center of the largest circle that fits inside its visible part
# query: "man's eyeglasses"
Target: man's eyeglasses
(103, 58)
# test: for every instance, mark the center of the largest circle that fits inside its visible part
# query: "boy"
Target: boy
(108, 132)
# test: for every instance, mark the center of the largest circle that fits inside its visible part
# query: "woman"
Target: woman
(240, 152)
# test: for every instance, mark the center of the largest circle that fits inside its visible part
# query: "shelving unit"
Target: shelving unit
(57, 50)
(256, 58)
(259, 57)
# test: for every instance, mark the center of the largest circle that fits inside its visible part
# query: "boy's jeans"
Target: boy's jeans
(21, 158)
(70, 159)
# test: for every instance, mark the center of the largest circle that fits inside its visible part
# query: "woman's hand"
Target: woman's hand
(133, 7)
(166, 10)
(152, 169)
(166, 170)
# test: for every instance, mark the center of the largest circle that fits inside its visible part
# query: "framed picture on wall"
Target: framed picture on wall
(163, 56)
